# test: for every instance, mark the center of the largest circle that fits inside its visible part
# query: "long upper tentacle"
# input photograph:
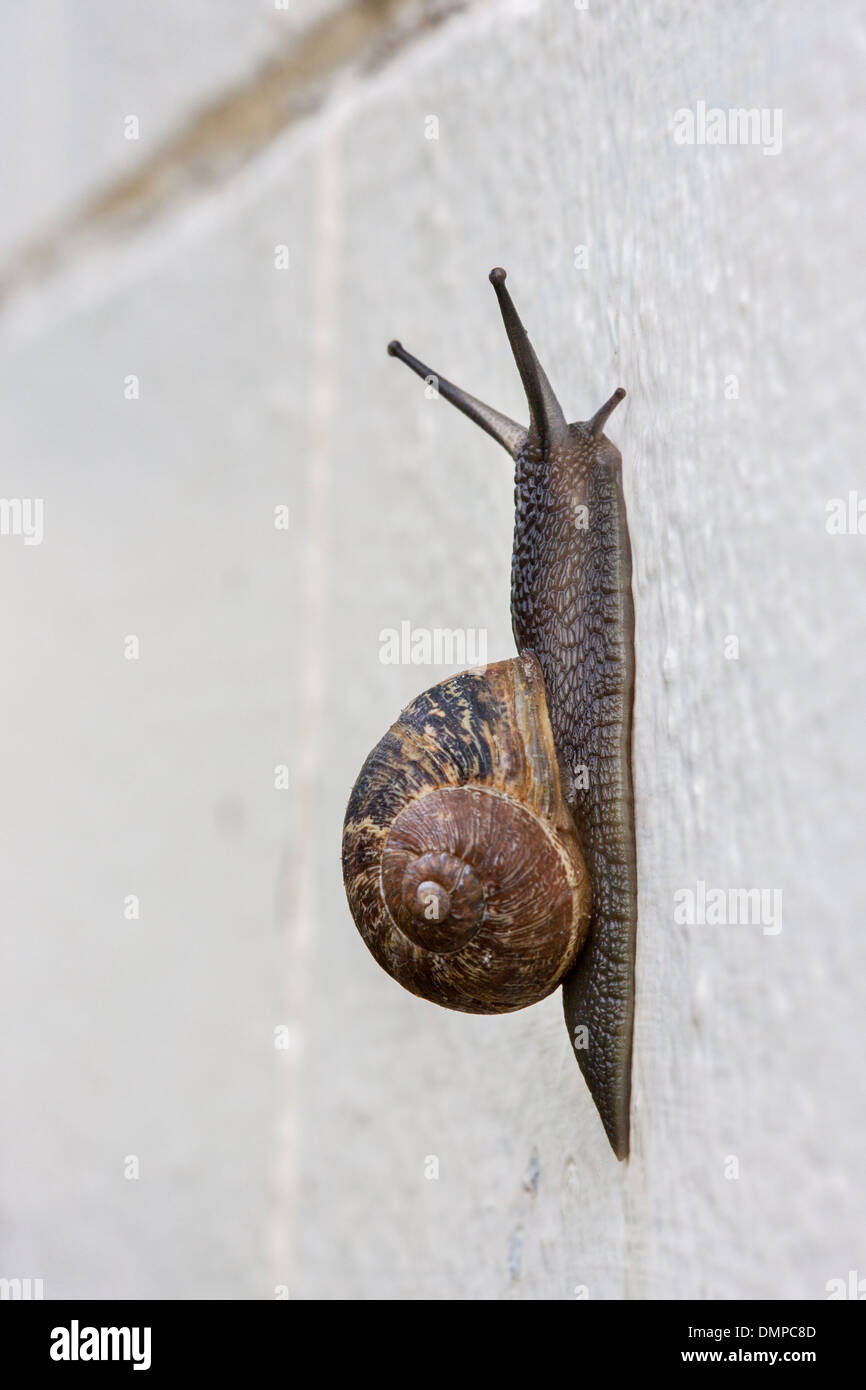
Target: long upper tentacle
(507, 432)
(545, 413)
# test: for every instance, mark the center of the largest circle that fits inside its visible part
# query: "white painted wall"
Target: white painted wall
(305, 1167)
(74, 71)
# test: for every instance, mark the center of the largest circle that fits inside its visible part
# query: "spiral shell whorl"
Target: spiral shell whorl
(440, 902)
(461, 862)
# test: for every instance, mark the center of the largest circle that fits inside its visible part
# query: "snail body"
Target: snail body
(489, 844)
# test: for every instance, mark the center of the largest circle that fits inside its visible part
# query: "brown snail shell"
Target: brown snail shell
(461, 861)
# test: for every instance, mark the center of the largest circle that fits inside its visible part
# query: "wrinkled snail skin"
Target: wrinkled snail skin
(573, 622)
(572, 605)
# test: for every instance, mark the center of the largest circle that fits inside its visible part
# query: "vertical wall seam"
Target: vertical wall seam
(299, 912)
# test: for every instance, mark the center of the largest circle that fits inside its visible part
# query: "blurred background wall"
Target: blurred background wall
(215, 217)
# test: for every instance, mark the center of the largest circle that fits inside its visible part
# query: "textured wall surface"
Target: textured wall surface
(723, 286)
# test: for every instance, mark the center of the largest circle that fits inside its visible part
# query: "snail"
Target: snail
(489, 842)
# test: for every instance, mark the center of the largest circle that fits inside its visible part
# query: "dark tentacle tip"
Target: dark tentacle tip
(394, 347)
(497, 276)
(603, 414)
